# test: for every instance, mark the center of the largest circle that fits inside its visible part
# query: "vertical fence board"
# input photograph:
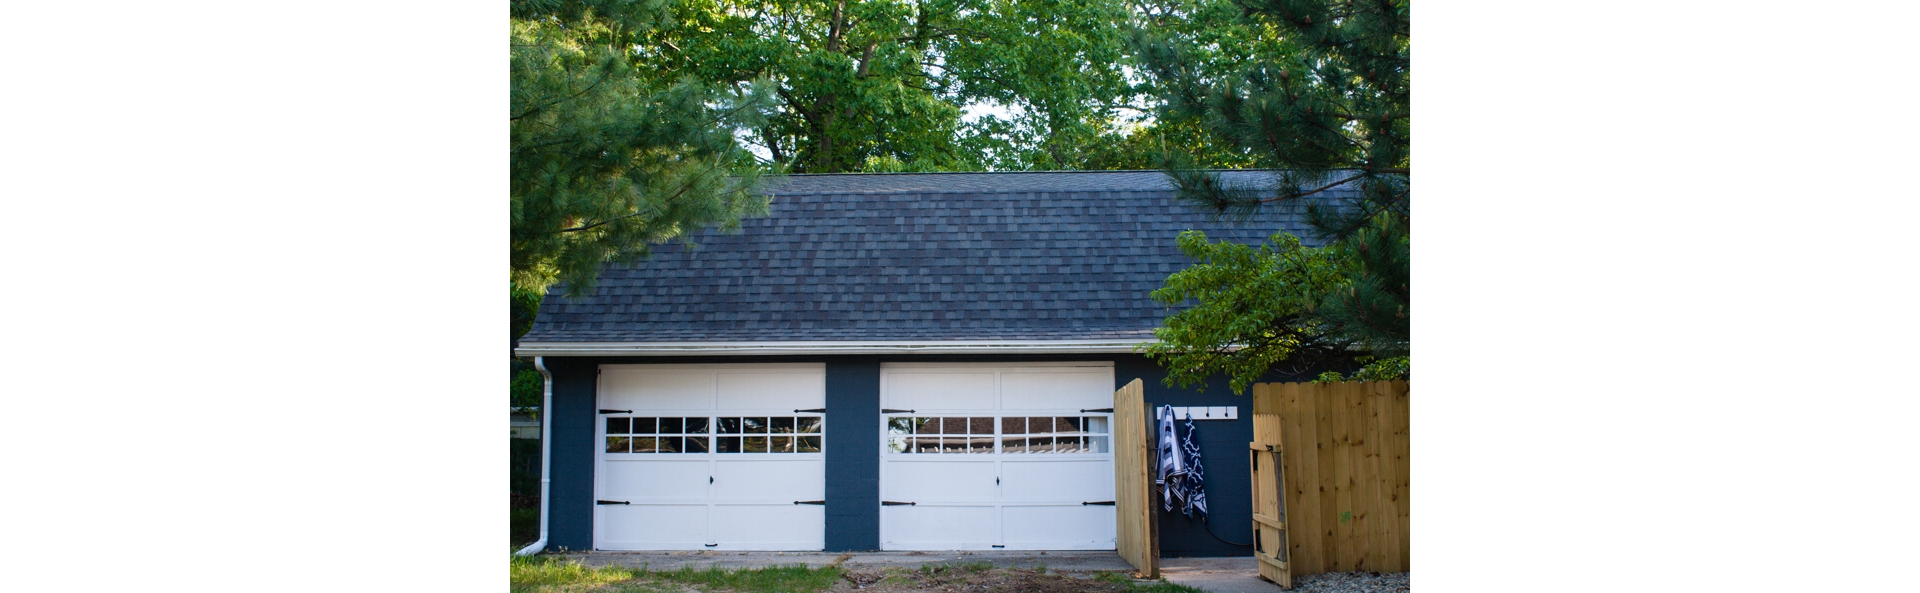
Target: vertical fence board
(1403, 478)
(1346, 455)
(1303, 479)
(1329, 440)
(1378, 512)
(1343, 476)
(1387, 513)
(1355, 400)
(1133, 484)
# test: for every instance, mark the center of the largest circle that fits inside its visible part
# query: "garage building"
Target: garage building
(885, 362)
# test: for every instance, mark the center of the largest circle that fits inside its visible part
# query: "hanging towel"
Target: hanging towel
(1194, 483)
(1172, 464)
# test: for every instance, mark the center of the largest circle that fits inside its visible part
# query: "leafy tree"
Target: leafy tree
(880, 85)
(609, 156)
(1255, 309)
(1326, 104)
(526, 390)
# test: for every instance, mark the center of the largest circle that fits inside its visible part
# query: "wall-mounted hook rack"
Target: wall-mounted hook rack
(1207, 412)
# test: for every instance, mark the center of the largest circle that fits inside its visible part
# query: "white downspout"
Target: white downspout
(546, 455)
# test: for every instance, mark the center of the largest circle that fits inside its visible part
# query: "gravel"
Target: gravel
(1352, 582)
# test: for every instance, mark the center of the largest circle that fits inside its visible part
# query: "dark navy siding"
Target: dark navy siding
(571, 511)
(1223, 452)
(853, 453)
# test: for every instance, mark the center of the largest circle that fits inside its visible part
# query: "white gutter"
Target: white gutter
(546, 456)
(846, 347)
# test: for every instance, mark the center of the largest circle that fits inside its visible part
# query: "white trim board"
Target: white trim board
(846, 347)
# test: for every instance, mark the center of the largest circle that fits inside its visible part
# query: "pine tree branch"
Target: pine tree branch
(1290, 195)
(669, 199)
(537, 109)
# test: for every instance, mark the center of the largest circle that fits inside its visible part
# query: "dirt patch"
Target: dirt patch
(962, 579)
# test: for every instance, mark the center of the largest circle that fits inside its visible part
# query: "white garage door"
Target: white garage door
(1002, 456)
(710, 457)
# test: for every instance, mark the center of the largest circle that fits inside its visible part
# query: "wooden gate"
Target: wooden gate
(1269, 508)
(1139, 528)
(1330, 478)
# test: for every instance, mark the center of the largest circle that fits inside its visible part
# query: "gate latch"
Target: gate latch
(894, 503)
(1103, 503)
(810, 502)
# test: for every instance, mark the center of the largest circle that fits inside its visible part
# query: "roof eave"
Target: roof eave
(1109, 346)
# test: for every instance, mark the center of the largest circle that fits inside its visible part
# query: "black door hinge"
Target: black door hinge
(1103, 503)
(814, 410)
(611, 502)
(819, 502)
(895, 503)
(616, 411)
(893, 411)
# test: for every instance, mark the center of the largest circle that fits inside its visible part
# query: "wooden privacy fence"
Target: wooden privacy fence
(1342, 462)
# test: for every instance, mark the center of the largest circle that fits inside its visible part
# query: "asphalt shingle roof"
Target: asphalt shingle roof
(939, 256)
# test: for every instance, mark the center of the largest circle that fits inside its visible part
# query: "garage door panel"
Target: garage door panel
(940, 391)
(769, 527)
(650, 527)
(683, 497)
(767, 390)
(1032, 451)
(1072, 481)
(655, 480)
(939, 481)
(783, 481)
(1060, 527)
(659, 391)
(924, 527)
(1056, 391)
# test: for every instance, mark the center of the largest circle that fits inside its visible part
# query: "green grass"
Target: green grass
(773, 579)
(559, 575)
(554, 575)
(1159, 586)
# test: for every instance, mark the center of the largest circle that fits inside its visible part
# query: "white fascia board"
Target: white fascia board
(850, 347)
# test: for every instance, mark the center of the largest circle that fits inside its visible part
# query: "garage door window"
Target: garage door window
(657, 435)
(940, 434)
(769, 434)
(1017, 434)
(1055, 434)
